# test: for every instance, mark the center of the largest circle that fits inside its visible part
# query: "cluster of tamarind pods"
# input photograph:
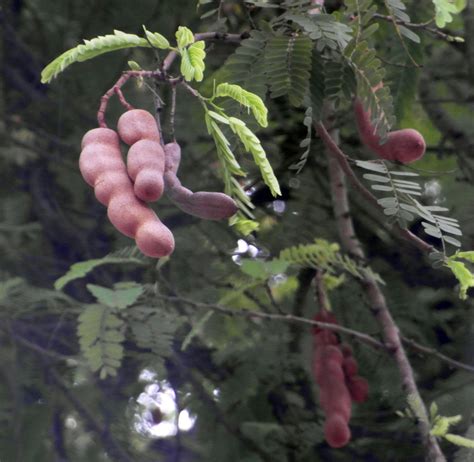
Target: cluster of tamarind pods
(336, 372)
(151, 169)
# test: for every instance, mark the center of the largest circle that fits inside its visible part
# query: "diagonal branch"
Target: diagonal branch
(378, 304)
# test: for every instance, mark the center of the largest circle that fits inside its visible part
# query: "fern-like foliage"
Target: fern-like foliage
(326, 256)
(369, 74)
(90, 49)
(101, 330)
(362, 11)
(246, 66)
(397, 11)
(400, 204)
(101, 333)
(306, 142)
(154, 331)
(288, 64)
(324, 29)
(192, 61)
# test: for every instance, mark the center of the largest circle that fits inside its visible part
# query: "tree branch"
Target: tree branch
(341, 158)
(378, 304)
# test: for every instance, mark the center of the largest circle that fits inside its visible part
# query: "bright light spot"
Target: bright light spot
(163, 430)
(279, 206)
(237, 259)
(252, 251)
(216, 392)
(186, 421)
(71, 423)
(147, 375)
(242, 246)
(432, 189)
(277, 279)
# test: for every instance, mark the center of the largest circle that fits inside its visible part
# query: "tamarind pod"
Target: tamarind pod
(327, 359)
(349, 364)
(137, 124)
(335, 398)
(172, 157)
(101, 136)
(358, 388)
(206, 205)
(336, 431)
(325, 337)
(145, 166)
(98, 158)
(154, 239)
(346, 349)
(135, 219)
(405, 146)
(109, 184)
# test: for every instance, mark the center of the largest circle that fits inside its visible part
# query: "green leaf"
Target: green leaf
(120, 297)
(467, 255)
(252, 145)
(192, 61)
(247, 99)
(81, 269)
(157, 40)
(459, 440)
(444, 10)
(184, 37)
(90, 49)
(463, 275)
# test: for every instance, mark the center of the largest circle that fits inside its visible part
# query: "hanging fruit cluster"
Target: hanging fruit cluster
(151, 169)
(335, 371)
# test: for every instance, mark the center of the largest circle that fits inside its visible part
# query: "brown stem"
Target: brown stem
(379, 308)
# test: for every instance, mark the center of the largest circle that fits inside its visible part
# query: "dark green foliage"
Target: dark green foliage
(287, 65)
(183, 325)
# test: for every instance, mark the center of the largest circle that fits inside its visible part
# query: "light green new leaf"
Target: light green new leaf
(184, 37)
(90, 49)
(467, 255)
(444, 10)
(463, 275)
(156, 39)
(247, 99)
(120, 297)
(192, 62)
(459, 440)
(252, 145)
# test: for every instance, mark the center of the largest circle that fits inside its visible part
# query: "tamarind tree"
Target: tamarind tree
(275, 259)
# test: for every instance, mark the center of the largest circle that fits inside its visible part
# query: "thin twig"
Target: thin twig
(356, 335)
(425, 26)
(172, 113)
(337, 153)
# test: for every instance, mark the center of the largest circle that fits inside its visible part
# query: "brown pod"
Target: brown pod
(154, 239)
(101, 136)
(172, 157)
(102, 166)
(137, 124)
(145, 165)
(206, 205)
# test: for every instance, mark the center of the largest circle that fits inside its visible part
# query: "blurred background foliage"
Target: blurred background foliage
(182, 382)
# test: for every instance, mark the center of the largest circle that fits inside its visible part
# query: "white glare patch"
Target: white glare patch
(279, 206)
(242, 246)
(216, 392)
(432, 189)
(186, 421)
(237, 259)
(147, 375)
(252, 251)
(163, 430)
(71, 423)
